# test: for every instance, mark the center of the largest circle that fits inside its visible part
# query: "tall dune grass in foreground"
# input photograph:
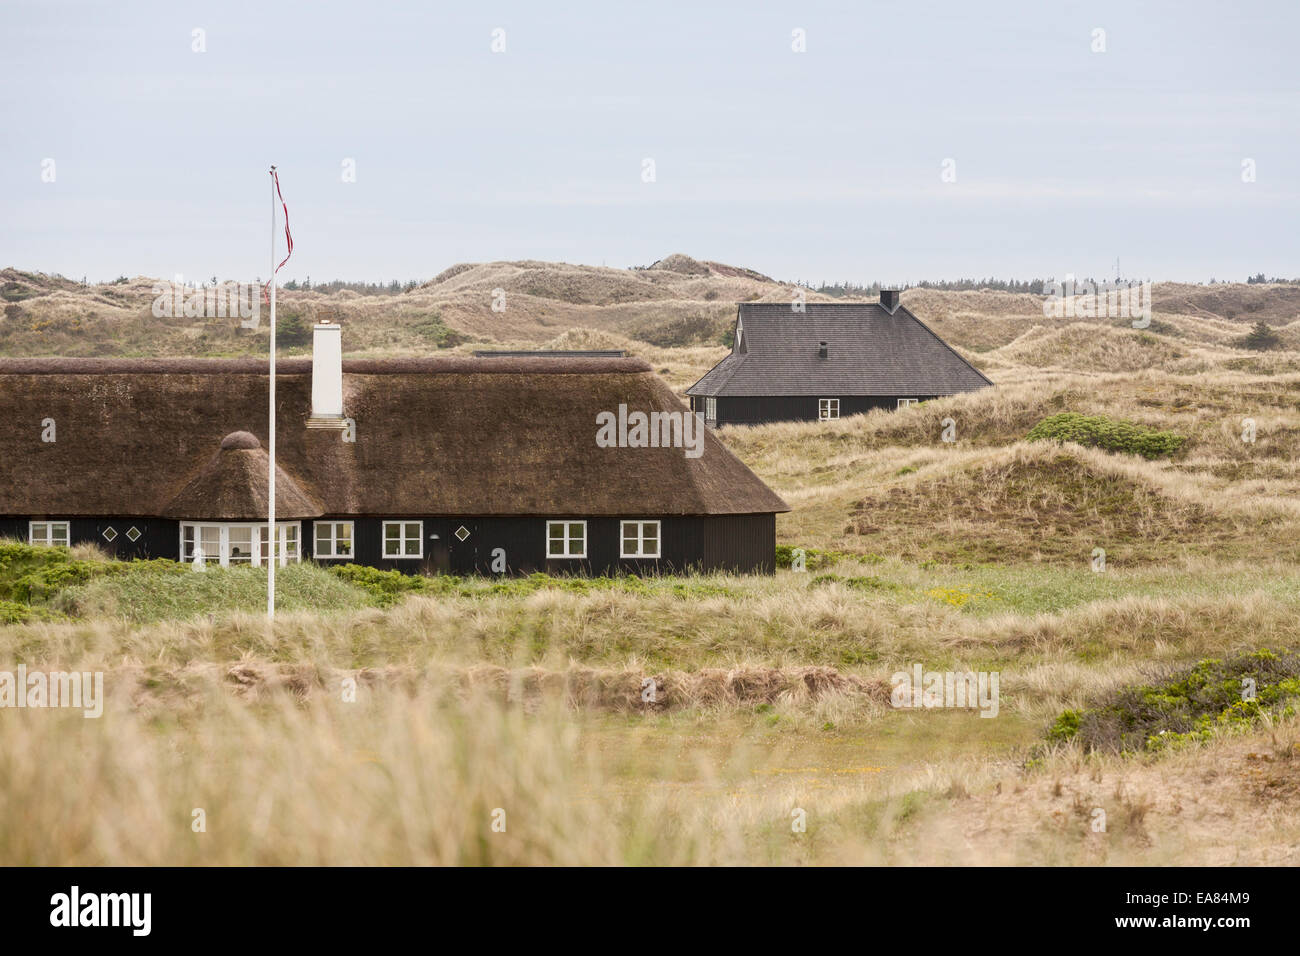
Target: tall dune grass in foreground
(251, 727)
(392, 779)
(398, 778)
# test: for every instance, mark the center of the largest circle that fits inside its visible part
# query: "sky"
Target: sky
(906, 141)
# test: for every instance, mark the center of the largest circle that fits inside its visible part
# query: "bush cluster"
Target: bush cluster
(1098, 431)
(1187, 706)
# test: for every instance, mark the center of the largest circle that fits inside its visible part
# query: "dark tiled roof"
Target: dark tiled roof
(434, 436)
(869, 352)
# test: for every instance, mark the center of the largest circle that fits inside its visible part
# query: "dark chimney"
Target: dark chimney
(889, 299)
(821, 349)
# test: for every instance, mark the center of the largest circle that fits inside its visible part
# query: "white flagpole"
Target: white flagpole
(271, 537)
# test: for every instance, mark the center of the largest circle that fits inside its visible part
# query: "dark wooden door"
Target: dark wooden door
(437, 546)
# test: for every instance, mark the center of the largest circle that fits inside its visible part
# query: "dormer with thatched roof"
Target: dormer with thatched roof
(232, 486)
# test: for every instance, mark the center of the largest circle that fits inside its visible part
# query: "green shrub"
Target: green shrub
(813, 558)
(1185, 706)
(19, 560)
(1066, 726)
(1260, 338)
(11, 612)
(433, 329)
(291, 331)
(15, 292)
(35, 580)
(1098, 431)
(41, 583)
(32, 574)
(40, 586)
(870, 583)
(386, 587)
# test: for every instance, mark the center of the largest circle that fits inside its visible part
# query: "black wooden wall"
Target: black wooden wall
(159, 537)
(753, 410)
(742, 543)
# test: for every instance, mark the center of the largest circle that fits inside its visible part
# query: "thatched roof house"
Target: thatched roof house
(492, 464)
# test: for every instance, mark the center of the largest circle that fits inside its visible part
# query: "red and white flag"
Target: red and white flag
(288, 238)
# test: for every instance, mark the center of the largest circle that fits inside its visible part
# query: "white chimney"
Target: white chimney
(326, 376)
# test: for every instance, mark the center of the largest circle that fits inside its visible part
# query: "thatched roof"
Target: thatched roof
(232, 486)
(434, 436)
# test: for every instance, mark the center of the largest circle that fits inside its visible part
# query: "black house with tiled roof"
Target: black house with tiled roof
(828, 361)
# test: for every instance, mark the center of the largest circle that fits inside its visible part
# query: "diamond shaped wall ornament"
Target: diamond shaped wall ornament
(134, 533)
(462, 533)
(109, 533)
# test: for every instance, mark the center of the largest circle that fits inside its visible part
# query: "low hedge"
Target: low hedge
(1098, 431)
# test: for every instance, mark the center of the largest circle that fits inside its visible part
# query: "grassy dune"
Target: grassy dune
(769, 696)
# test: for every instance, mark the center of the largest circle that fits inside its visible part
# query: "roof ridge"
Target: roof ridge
(824, 305)
(301, 365)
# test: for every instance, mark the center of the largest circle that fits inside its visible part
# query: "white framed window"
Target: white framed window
(50, 533)
(241, 543)
(288, 549)
(905, 402)
(333, 539)
(828, 409)
(639, 539)
(202, 542)
(711, 409)
(404, 539)
(566, 539)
